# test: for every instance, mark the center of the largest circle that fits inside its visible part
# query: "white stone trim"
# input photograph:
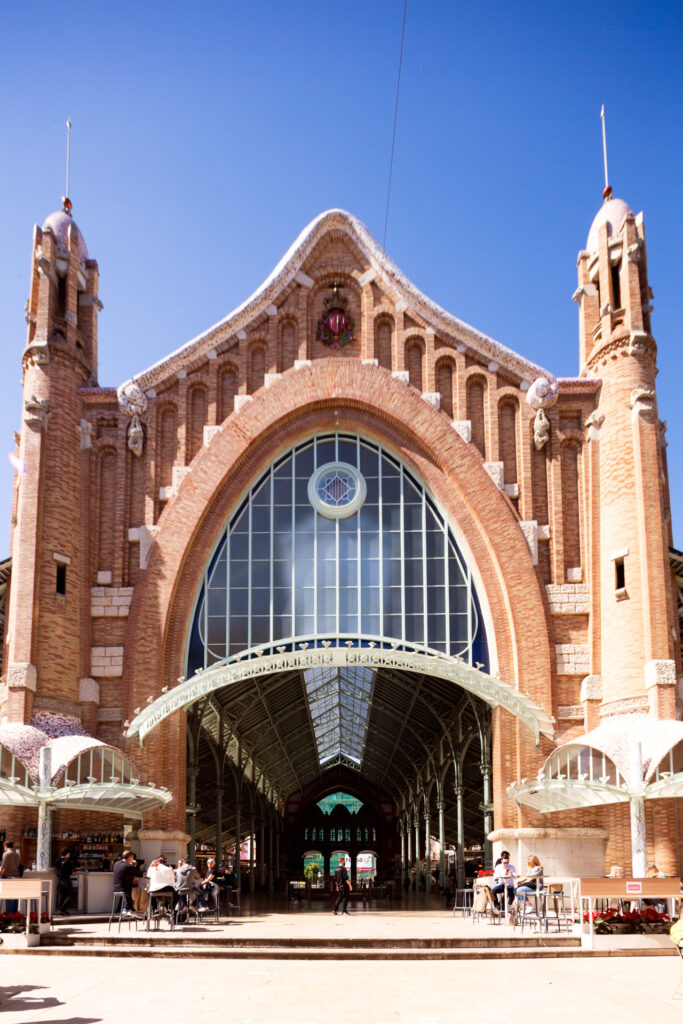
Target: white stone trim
(432, 398)
(88, 691)
(661, 672)
(110, 602)
(61, 559)
(570, 712)
(144, 535)
(209, 434)
(572, 659)
(568, 598)
(401, 375)
(22, 676)
(464, 428)
(512, 490)
(240, 401)
(299, 364)
(575, 574)
(106, 662)
(449, 327)
(591, 688)
(529, 528)
(104, 578)
(496, 470)
(303, 279)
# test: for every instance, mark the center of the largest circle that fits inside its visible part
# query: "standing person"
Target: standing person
(9, 868)
(341, 877)
(64, 869)
(125, 877)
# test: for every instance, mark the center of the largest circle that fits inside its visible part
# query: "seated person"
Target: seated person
(208, 885)
(161, 880)
(532, 881)
(504, 875)
(186, 884)
(125, 877)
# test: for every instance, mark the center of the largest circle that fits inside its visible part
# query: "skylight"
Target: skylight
(339, 701)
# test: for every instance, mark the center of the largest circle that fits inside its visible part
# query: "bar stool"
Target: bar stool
(160, 899)
(121, 897)
(234, 902)
(463, 902)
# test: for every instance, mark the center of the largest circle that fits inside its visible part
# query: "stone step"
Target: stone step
(355, 953)
(179, 938)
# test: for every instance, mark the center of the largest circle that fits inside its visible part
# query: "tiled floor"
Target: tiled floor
(66, 990)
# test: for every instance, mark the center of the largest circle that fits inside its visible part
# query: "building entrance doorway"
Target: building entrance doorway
(338, 676)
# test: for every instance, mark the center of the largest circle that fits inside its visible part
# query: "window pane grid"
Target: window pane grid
(284, 573)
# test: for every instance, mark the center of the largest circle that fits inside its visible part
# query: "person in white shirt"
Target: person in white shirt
(504, 875)
(161, 880)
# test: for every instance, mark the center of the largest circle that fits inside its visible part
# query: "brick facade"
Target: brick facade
(555, 487)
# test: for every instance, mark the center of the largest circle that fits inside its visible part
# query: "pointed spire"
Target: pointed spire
(607, 191)
(66, 202)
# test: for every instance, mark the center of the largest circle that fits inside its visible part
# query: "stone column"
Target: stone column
(442, 841)
(460, 840)
(417, 848)
(237, 866)
(403, 856)
(219, 823)
(487, 808)
(270, 859)
(192, 773)
(428, 851)
(262, 854)
(252, 839)
(44, 852)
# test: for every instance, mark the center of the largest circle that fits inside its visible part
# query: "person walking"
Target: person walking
(341, 877)
(64, 869)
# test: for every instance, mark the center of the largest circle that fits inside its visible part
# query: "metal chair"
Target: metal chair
(532, 910)
(234, 902)
(121, 897)
(556, 911)
(463, 902)
(163, 904)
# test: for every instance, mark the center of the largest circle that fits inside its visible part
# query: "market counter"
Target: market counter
(92, 890)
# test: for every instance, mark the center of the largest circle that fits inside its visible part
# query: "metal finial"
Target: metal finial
(66, 202)
(608, 188)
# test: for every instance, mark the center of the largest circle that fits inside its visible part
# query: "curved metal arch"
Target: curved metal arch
(489, 689)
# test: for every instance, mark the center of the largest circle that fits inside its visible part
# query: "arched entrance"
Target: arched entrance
(338, 638)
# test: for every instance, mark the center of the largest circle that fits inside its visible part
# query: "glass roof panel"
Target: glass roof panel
(339, 702)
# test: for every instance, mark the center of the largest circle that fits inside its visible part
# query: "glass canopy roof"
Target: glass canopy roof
(351, 803)
(339, 702)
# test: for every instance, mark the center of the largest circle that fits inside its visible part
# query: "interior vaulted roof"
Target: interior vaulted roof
(413, 721)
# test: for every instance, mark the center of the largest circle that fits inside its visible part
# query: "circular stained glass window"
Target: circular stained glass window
(336, 490)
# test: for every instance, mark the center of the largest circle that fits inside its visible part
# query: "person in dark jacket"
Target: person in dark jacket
(125, 877)
(64, 869)
(341, 877)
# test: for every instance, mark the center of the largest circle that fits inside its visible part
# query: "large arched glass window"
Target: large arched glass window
(337, 541)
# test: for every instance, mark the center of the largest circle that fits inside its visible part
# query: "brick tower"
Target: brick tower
(633, 649)
(48, 629)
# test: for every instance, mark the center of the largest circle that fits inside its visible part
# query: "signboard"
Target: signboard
(634, 888)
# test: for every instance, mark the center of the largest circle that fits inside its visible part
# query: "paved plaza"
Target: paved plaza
(69, 990)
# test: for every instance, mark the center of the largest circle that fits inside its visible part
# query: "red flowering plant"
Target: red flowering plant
(16, 922)
(632, 921)
(12, 921)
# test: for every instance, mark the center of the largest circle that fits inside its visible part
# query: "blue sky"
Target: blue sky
(206, 137)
